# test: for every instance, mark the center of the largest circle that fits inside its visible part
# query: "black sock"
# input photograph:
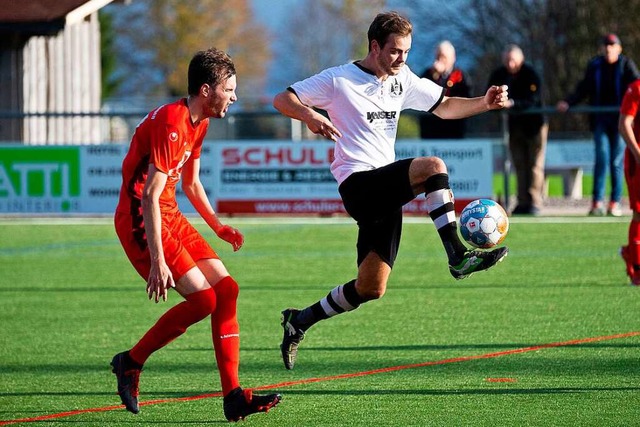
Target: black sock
(441, 210)
(341, 299)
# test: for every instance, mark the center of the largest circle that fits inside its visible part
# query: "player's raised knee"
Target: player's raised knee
(424, 167)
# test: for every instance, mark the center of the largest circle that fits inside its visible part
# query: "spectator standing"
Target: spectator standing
(606, 79)
(527, 132)
(444, 73)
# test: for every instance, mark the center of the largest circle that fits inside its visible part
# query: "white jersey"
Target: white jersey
(366, 111)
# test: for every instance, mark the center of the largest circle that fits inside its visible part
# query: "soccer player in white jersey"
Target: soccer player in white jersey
(363, 101)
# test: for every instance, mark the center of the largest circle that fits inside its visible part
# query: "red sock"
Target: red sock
(174, 323)
(634, 242)
(226, 333)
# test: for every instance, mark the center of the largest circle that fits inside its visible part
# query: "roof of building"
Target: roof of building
(43, 17)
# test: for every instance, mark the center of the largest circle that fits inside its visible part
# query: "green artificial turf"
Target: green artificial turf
(432, 352)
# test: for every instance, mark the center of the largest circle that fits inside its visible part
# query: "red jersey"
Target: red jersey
(166, 138)
(631, 106)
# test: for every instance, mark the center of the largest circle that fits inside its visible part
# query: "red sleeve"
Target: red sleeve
(631, 100)
(164, 145)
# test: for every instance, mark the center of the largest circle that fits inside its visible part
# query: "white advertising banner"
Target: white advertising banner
(258, 177)
(294, 177)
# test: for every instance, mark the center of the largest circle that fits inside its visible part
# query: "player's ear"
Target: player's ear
(205, 90)
(375, 46)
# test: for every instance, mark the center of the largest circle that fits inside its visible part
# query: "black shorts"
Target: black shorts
(375, 199)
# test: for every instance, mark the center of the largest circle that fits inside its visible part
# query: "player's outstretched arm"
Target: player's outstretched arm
(495, 98)
(288, 104)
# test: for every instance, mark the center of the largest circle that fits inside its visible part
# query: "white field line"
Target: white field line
(311, 220)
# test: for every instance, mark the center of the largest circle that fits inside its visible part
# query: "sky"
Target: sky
(270, 13)
(273, 15)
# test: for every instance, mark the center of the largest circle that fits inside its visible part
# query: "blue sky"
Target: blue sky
(269, 13)
(273, 15)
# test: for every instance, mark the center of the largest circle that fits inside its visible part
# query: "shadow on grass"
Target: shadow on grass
(109, 394)
(88, 289)
(482, 391)
(437, 347)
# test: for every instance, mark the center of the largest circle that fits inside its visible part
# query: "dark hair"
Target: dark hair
(211, 66)
(388, 23)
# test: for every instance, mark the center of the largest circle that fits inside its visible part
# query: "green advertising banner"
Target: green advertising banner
(43, 179)
(83, 179)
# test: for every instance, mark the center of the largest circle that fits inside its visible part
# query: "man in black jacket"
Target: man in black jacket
(605, 80)
(444, 72)
(527, 132)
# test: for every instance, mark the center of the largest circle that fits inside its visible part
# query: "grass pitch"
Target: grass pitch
(432, 352)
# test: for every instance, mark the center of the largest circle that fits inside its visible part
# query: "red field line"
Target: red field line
(335, 377)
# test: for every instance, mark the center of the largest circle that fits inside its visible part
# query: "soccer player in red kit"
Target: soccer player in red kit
(166, 250)
(629, 128)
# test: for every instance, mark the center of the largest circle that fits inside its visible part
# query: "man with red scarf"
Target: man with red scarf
(446, 74)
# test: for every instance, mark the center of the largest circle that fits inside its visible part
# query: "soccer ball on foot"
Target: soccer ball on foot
(484, 223)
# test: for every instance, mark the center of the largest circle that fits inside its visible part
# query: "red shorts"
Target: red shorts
(632, 176)
(181, 242)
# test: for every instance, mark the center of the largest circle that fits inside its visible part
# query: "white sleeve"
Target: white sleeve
(422, 94)
(317, 90)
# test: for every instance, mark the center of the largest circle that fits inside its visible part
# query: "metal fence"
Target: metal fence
(59, 128)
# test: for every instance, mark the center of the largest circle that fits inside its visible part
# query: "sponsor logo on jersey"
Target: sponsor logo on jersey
(396, 89)
(173, 136)
(381, 115)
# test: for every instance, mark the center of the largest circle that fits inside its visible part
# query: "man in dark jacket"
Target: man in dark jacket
(527, 132)
(446, 74)
(605, 80)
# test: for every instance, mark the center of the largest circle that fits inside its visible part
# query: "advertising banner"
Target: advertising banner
(293, 177)
(253, 177)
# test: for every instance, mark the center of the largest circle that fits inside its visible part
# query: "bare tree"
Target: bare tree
(325, 33)
(558, 37)
(158, 38)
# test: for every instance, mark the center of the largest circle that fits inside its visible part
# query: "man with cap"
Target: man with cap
(604, 83)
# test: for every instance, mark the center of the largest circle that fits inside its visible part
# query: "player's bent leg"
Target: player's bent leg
(423, 168)
(200, 301)
(295, 323)
(373, 274)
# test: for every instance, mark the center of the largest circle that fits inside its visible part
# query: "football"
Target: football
(484, 223)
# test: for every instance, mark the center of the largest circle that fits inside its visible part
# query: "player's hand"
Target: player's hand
(322, 126)
(497, 97)
(159, 282)
(232, 236)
